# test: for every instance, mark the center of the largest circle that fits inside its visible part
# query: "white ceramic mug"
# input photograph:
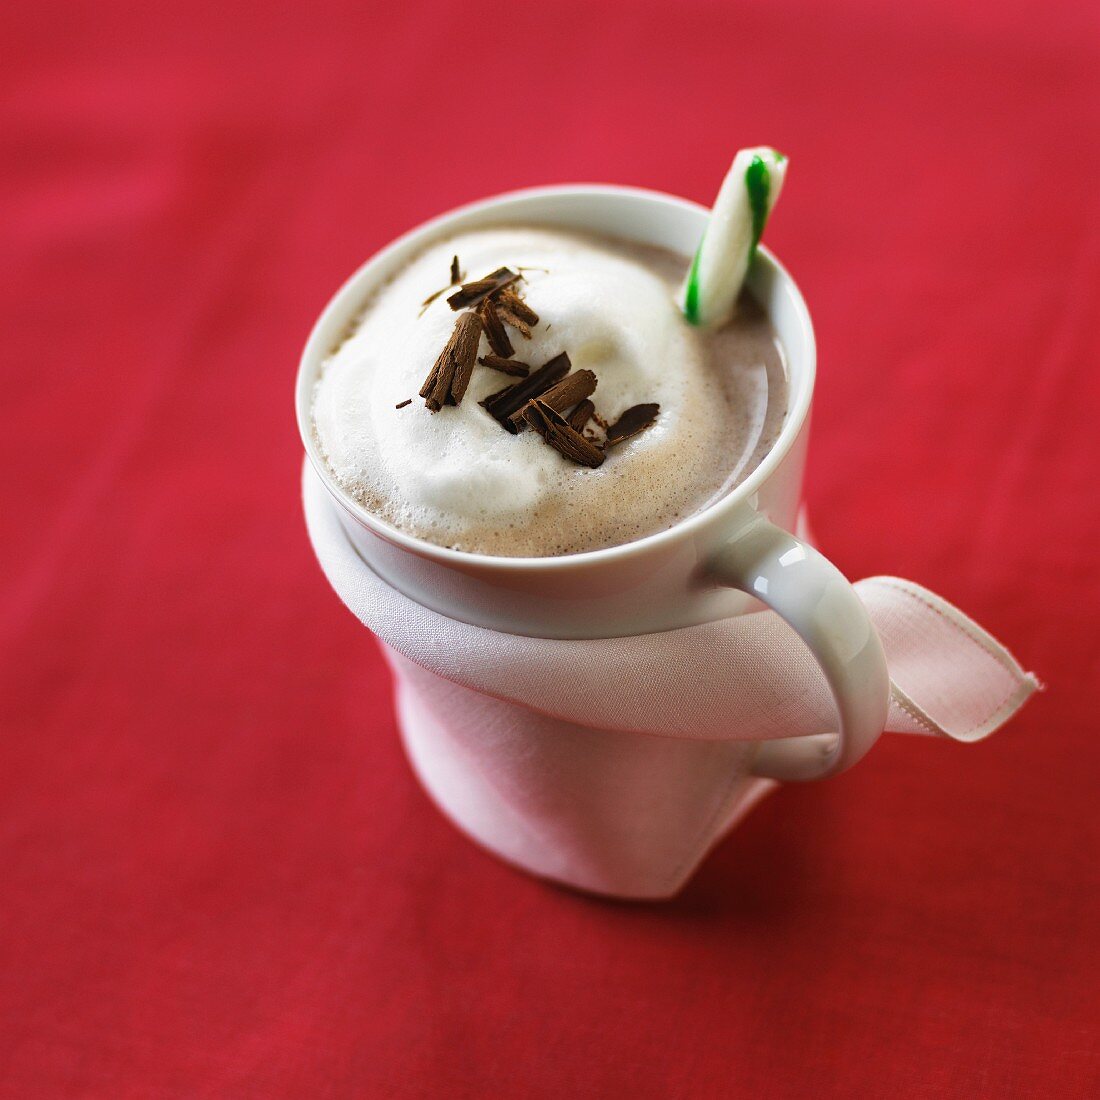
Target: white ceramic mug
(717, 563)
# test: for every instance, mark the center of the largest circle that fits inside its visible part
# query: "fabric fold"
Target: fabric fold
(743, 679)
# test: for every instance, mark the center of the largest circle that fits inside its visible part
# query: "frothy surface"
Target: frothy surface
(456, 478)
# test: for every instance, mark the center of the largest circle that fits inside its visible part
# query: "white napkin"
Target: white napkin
(614, 764)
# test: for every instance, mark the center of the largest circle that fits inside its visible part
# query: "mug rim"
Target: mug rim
(313, 354)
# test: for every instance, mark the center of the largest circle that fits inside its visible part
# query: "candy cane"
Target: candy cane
(736, 223)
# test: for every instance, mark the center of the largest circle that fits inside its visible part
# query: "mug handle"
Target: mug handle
(813, 596)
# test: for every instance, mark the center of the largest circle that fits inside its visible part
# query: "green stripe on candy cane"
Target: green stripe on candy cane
(691, 291)
(758, 183)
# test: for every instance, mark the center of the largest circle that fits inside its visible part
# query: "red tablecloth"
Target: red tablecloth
(218, 876)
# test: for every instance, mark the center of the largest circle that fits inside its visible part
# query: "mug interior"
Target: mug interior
(645, 217)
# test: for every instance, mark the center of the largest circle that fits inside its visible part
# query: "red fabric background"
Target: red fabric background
(218, 876)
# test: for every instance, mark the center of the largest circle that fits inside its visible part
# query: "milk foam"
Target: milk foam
(456, 478)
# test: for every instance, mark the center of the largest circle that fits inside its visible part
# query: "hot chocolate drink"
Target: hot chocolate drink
(533, 392)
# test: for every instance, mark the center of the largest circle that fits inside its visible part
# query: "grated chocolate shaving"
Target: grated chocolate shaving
(580, 416)
(506, 310)
(556, 431)
(443, 364)
(431, 298)
(469, 294)
(510, 319)
(402, 404)
(563, 395)
(637, 418)
(511, 301)
(465, 354)
(504, 403)
(495, 332)
(449, 377)
(456, 274)
(505, 366)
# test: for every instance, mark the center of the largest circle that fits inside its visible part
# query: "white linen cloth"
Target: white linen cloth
(614, 765)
